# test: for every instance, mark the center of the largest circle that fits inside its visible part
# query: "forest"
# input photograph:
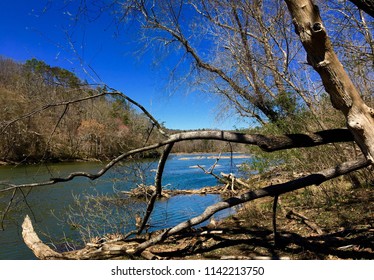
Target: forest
(300, 70)
(49, 115)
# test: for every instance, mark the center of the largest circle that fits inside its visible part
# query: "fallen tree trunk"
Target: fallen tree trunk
(111, 249)
(32, 240)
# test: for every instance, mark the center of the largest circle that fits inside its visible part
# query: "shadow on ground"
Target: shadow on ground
(239, 242)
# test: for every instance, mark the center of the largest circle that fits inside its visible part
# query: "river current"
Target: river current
(49, 205)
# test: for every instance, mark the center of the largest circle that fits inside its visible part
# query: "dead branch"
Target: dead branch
(272, 190)
(149, 115)
(32, 241)
(158, 185)
(48, 106)
(267, 143)
(294, 215)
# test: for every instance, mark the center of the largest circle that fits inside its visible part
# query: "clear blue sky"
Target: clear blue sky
(37, 29)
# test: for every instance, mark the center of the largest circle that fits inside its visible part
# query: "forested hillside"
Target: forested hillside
(37, 121)
(40, 120)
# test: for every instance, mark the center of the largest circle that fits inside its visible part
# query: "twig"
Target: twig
(291, 214)
(7, 208)
(275, 233)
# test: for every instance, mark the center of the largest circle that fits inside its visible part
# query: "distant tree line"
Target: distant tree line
(40, 121)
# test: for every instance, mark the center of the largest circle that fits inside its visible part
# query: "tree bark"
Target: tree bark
(320, 54)
(32, 241)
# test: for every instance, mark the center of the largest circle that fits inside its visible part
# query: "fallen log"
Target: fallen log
(32, 240)
(116, 249)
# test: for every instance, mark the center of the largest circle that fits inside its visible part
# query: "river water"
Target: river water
(48, 206)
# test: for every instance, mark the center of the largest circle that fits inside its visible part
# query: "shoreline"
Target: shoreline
(208, 155)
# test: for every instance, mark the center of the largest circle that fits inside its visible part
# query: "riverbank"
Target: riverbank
(305, 230)
(342, 231)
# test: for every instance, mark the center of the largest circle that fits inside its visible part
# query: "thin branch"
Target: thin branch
(153, 120)
(7, 208)
(48, 106)
(28, 205)
(158, 185)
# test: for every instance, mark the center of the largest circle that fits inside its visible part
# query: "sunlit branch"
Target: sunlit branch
(266, 143)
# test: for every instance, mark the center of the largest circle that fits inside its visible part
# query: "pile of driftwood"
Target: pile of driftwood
(231, 183)
(143, 191)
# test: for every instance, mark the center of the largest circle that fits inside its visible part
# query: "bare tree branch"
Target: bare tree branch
(266, 143)
(153, 120)
(48, 106)
(272, 190)
(158, 185)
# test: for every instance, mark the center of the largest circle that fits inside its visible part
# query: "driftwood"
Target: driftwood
(143, 191)
(294, 215)
(231, 181)
(32, 240)
(111, 249)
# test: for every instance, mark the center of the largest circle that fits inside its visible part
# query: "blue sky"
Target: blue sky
(38, 29)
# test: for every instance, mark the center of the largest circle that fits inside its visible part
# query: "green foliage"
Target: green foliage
(52, 75)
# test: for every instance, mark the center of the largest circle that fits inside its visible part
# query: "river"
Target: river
(48, 206)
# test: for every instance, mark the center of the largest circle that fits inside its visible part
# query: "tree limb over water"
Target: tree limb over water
(266, 143)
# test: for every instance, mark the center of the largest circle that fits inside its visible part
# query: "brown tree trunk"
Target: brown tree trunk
(320, 54)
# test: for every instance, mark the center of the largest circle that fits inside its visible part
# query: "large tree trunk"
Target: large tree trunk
(344, 95)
